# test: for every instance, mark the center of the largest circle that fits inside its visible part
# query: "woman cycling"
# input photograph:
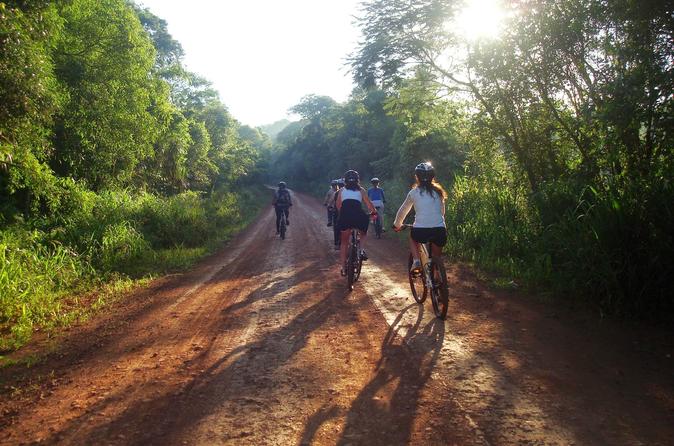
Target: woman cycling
(351, 215)
(428, 199)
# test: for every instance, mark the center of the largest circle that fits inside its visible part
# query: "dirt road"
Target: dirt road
(262, 345)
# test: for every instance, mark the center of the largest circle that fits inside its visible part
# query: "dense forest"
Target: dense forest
(555, 140)
(115, 161)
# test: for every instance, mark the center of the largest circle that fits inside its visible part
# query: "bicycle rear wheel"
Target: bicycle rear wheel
(282, 228)
(417, 283)
(359, 266)
(352, 258)
(440, 291)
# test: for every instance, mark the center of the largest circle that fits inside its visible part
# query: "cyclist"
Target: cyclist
(351, 215)
(329, 201)
(428, 199)
(282, 203)
(377, 197)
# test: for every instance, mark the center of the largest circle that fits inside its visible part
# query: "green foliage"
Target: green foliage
(569, 138)
(110, 236)
(115, 161)
(103, 57)
(34, 272)
(29, 94)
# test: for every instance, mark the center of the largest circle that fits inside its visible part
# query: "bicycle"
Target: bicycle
(377, 224)
(432, 277)
(354, 262)
(282, 226)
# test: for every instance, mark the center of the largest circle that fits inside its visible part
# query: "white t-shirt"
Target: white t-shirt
(430, 211)
(348, 194)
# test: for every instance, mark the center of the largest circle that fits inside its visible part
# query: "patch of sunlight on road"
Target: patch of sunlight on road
(393, 300)
(479, 377)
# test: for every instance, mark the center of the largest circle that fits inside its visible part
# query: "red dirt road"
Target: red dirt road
(261, 344)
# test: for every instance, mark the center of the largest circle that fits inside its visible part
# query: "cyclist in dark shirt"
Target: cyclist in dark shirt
(282, 202)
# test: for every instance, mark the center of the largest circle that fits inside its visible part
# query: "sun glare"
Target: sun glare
(480, 19)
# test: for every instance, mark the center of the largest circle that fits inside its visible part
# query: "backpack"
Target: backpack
(282, 198)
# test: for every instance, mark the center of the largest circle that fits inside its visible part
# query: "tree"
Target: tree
(29, 96)
(103, 58)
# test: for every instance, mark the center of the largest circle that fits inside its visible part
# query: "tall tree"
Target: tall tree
(103, 57)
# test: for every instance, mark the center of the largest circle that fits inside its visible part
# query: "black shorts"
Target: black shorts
(437, 236)
(352, 216)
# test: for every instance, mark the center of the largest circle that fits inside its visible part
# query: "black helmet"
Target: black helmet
(282, 185)
(374, 180)
(340, 182)
(351, 176)
(425, 172)
(334, 182)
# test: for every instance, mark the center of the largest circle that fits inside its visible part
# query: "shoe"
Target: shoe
(336, 247)
(363, 255)
(329, 224)
(278, 232)
(416, 267)
(343, 270)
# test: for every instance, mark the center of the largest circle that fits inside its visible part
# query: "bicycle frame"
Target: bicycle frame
(433, 278)
(353, 261)
(425, 258)
(378, 224)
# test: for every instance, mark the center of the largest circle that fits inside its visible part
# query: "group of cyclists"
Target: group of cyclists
(350, 206)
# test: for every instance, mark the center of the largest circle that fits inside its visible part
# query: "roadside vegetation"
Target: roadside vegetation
(116, 164)
(555, 140)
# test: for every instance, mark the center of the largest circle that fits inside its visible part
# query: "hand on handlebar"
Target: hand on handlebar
(400, 228)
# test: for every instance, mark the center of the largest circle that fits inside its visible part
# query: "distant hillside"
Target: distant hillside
(274, 129)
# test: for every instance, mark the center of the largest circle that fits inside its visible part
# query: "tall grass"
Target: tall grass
(109, 237)
(609, 248)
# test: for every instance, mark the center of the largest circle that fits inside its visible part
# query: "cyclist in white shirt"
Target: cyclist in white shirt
(428, 199)
(350, 200)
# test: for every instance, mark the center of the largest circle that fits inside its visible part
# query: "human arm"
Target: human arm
(404, 209)
(366, 200)
(338, 200)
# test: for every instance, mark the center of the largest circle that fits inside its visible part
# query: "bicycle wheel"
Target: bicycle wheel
(440, 291)
(350, 269)
(377, 227)
(417, 283)
(358, 265)
(282, 228)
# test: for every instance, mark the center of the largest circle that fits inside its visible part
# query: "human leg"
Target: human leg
(363, 239)
(414, 249)
(278, 219)
(344, 244)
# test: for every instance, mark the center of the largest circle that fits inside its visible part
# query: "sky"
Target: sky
(263, 56)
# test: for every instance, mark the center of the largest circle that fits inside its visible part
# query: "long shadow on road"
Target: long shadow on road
(242, 380)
